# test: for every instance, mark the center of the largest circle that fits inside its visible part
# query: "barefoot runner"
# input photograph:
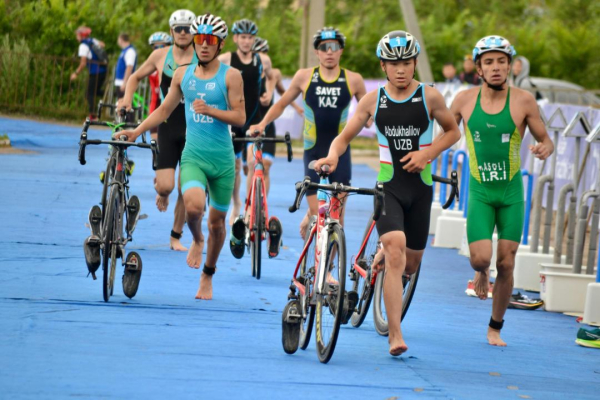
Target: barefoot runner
(495, 118)
(214, 99)
(404, 111)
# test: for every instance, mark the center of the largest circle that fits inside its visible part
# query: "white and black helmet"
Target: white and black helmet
(209, 24)
(244, 26)
(260, 45)
(493, 43)
(181, 17)
(397, 46)
(160, 37)
(328, 33)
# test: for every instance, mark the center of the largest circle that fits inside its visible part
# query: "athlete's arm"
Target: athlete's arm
(225, 58)
(265, 99)
(171, 101)
(146, 69)
(236, 115)
(357, 84)
(417, 160)
(364, 111)
(281, 90)
(544, 148)
(457, 105)
(296, 88)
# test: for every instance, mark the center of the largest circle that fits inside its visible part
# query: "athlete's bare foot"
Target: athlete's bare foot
(493, 337)
(304, 226)
(205, 289)
(482, 284)
(235, 212)
(162, 203)
(194, 257)
(397, 346)
(176, 245)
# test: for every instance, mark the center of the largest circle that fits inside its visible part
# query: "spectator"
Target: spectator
(125, 64)
(520, 71)
(449, 72)
(469, 75)
(92, 55)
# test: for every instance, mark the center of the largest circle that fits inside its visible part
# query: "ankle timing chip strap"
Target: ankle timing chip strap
(209, 271)
(176, 235)
(496, 325)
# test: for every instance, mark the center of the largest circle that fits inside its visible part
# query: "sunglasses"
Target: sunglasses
(333, 46)
(210, 40)
(158, 46)
(182, 29)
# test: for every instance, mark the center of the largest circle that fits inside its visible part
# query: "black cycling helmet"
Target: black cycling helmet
(244, 26)
(328, 33)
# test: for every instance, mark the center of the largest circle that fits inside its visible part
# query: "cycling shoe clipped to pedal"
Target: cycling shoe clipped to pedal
(91, 250)
(350, 302)
(290, 326)
(274, 237)
(236, 240)
(133, 213)
(132, 274)
(95, 219)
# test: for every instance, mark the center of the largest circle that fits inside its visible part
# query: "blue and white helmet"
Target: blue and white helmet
(160, 37)
(260, 45)
(493, 43)
(209, 24)
(328, 33)
(181, 17)
(244, 26)
(397, 46)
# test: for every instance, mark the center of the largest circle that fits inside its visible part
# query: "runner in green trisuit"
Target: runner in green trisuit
(495, 118)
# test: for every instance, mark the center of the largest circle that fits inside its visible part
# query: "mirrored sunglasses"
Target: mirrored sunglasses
(181, 29)
(210, 40)
(333, 46)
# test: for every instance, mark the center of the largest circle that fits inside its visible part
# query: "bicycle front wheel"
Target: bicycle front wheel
(256, 243)
(360, 285)
(330, 302)
(110, 240)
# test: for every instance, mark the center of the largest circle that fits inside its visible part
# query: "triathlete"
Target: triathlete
(214, 99)
(327, 91)
(404, 111)
(171, 132)
(495, 117)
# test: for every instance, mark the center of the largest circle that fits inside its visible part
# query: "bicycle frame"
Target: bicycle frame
(258, 173)
(357, 267)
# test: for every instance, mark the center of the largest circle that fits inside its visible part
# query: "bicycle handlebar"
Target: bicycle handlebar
(337, 188)
(260, 139)
(84, 141)
(453, 181)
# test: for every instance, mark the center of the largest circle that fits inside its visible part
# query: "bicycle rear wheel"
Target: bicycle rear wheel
(409, 283)
(307, 272)
(361, 285)
(330, 303)
(109, 256)
(256, 243)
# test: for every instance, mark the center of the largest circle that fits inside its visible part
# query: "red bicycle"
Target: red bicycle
(368, 283)
(252, 226)
(319, 280)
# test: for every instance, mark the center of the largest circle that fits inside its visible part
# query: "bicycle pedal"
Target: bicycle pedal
(350, 301)
(95, 219)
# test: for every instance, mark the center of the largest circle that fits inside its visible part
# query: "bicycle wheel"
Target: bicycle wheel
(109, 256)
(256, 243)
(409, 283)
(330, 303)
(307, 272)
(361, 285)
(108, 176)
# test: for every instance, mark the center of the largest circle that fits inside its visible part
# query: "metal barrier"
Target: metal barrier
(544, 180)
(528, 196)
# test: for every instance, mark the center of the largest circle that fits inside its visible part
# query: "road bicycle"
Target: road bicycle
(113, 222)
(255, 224)
(368, 283)
(318, 288)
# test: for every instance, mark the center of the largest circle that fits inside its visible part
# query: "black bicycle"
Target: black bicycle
(113, 223)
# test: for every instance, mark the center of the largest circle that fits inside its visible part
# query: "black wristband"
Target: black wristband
(496, 325)
(209, 271)
(176, 235)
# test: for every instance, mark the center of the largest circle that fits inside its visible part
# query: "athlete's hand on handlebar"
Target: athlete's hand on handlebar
(124, 104)
(416, 161)
(256, 130)
(131, 135)
(332, 162)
